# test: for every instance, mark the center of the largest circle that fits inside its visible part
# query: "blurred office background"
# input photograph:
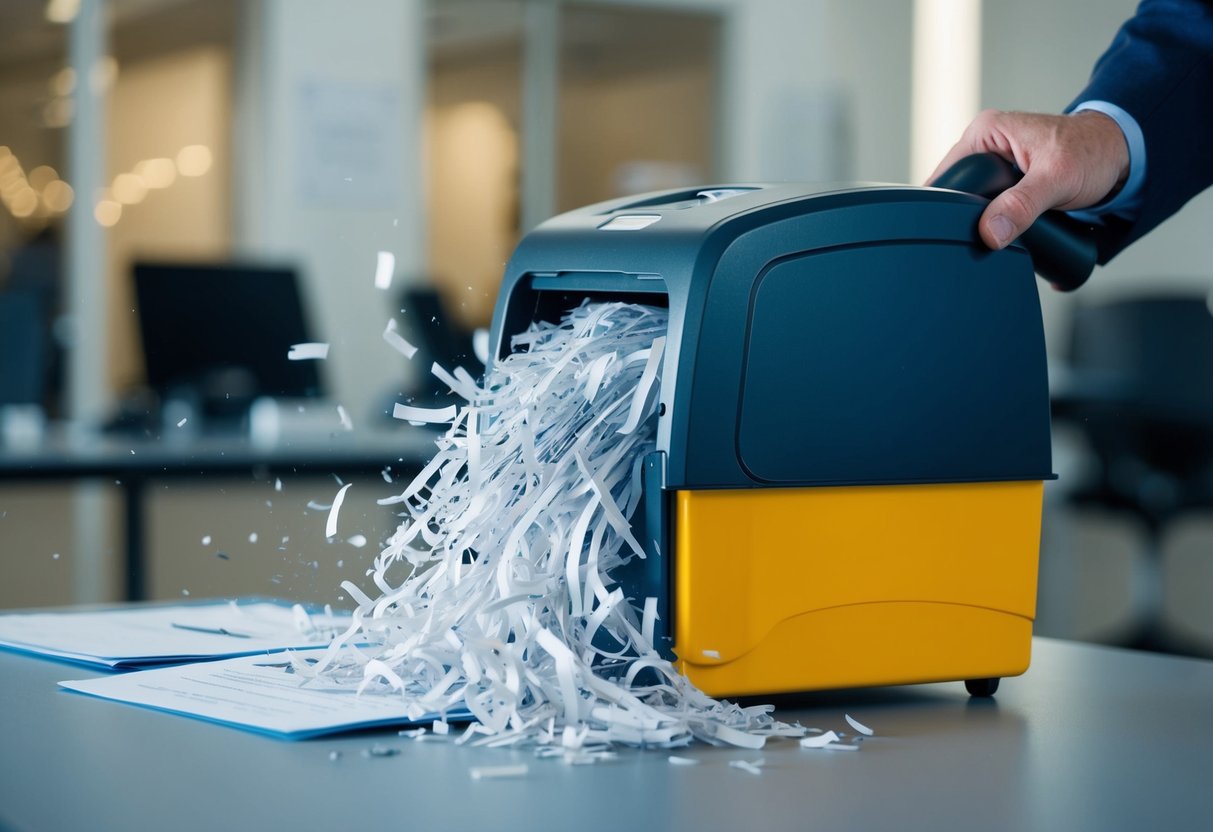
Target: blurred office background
(310, 136)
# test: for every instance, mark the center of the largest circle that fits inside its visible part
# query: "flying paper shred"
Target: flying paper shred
(305, 352)
(498, 772)
(858, 726)
(378, 750)
(480, 345)
(392, 336)
(496, 593)
(465, 386)
(385, 266)
(345, 418)
(330, 526)
(424, 415)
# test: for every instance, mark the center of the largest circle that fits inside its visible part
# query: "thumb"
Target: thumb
(1011, 213)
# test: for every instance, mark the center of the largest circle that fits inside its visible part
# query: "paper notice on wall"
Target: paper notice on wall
(349, 136)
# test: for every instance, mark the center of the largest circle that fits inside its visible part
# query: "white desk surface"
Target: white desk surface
(1090, 738)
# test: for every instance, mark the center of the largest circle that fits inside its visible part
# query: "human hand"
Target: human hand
(1068, 162)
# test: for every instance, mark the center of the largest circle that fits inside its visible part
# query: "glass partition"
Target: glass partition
(383, 158)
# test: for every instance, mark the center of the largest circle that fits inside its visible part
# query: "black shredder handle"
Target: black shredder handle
(1062, 249)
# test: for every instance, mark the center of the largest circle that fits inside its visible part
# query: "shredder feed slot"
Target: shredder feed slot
(599, 282)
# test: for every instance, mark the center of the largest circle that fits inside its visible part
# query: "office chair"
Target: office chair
(1142, 393)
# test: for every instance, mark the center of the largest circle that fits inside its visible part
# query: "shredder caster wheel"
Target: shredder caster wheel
(981, 687)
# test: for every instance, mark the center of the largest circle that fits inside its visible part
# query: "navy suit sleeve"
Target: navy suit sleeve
(1159, 69)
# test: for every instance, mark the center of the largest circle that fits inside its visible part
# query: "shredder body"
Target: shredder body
(853, 428)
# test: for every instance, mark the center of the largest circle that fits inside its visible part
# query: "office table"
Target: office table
(132, 463)
(1091, 738)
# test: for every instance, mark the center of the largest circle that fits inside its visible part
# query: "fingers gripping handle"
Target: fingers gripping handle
(1062, 249)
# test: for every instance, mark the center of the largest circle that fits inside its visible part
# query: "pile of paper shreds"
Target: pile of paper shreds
(497, 591)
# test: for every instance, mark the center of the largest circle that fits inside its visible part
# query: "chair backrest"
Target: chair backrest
(1141, 390)
(1155, 352)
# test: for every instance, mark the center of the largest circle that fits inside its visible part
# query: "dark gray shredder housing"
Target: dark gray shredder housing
(818, 335)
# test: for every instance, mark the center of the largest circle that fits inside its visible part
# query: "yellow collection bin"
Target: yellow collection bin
(845, 587)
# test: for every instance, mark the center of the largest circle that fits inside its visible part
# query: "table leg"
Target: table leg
(136, 568)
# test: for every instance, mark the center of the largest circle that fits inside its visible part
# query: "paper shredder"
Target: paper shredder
(853, 429)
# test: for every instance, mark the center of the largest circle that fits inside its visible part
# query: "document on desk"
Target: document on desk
(124, 639)
(256, 693)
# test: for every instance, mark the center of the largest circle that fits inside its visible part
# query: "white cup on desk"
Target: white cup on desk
(274, 422)
(22, 426)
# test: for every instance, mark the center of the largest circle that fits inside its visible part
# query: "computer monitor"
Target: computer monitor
(202, 321)
(23, 352)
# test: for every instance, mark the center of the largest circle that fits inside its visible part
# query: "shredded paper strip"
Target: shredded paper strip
(308, 352)
(496, 594)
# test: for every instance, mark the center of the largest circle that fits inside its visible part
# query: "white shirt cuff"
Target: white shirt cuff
(1128, 199)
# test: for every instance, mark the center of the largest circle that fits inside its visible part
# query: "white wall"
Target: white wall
(328, 157)
(821, 90)
(783, 96)
(869, 57)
